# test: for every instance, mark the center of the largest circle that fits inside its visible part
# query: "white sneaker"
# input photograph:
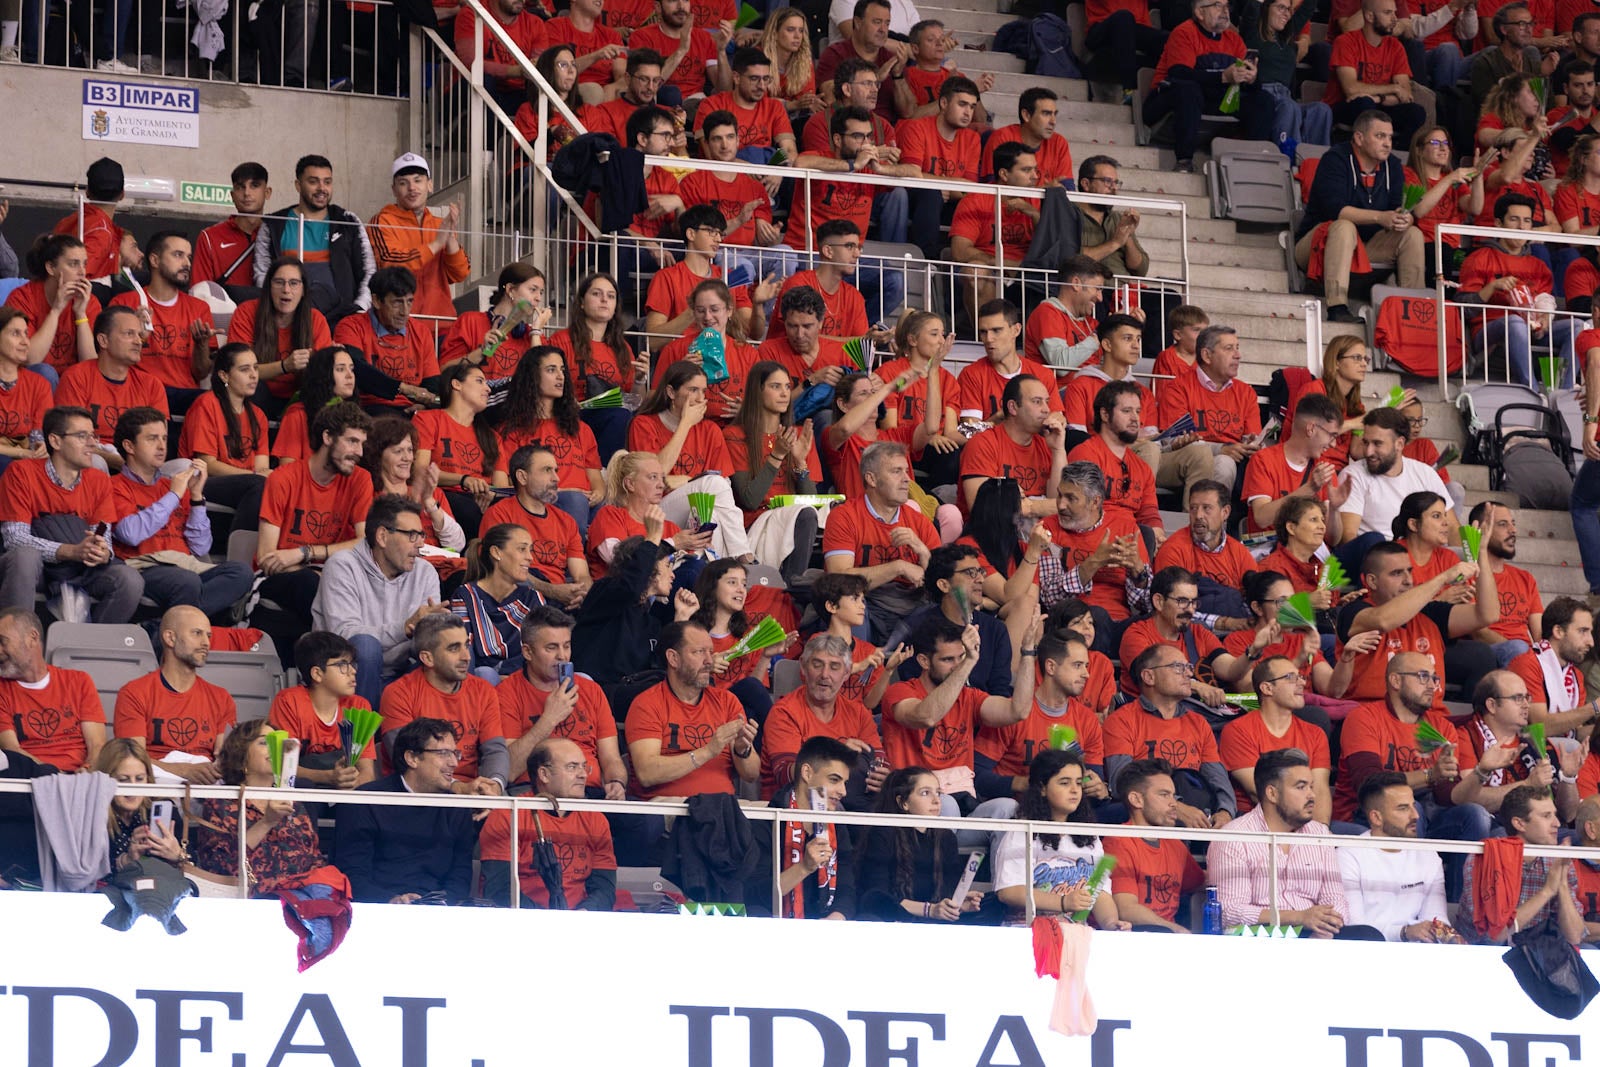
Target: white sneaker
(11, 54)
(114, 66)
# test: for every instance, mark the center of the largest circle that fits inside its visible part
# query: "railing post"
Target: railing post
(476, 151)
(1272, 877)
(516, 856)
(417, 101)
(541, 192)
(1443, 332)
(777, 869)
(1029, 908)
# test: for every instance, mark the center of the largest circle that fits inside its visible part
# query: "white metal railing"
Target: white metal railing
(308, 45)
(776, 817)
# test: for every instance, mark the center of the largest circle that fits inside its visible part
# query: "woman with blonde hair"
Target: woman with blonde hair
(634, 485)
(1344, 368)
(128, 821)
(1450, 195)
(787, 42)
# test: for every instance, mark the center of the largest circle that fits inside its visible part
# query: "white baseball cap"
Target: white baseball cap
(410, 161)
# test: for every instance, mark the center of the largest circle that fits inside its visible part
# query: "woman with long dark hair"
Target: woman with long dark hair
(540, 408)
(600, 358)
(994, 527)
(712, 306)
(673, 423)
(1423, 526)
(23, 401)
(1062, 863)
(283, 329)
(226, 431)
(909, 873)
(783, 462)
(390, 457)
(559, 66)
(329, 377)
(459, 441)
(475, 331)
(59, 304)
(496, 598)
(721, 588)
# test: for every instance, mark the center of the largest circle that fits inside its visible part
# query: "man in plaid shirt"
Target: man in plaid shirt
(1549, 886)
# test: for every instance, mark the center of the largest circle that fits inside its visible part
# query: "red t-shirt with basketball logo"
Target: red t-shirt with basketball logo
(82, 385)
(23, 404)
(133, 496)
(845, 311)
(729, 198)
(205, 433)
(408, 357)
(855, 531)
(1222, 416)
(1054, 157)
(473, 712)
(1157, 873)
(1013, 747)
(670, 287)
(309, 513)
(48, 719)
(452, 446)
(1226, 566)
(923, 146)
(1185, 740)
(980, 386)
(993, 454)
(1078, 397)
(776, 347)
(974, 220)
(738, 357)
(582, 840)
(26, 492)
(555, 534)
(1142, 634)
(910, 405)
(590, 722)
(576, 454)
(1109, 587)
(1575, 202)
(613, 523)
(1376, 64)
(782, 481)
(1420, 634)
(760, 126)
(242, 328)
(657, 714)
(946, 744)
(1270, 476)
(602, 363)
(835, 200)
(467, 335)
(692, 74)
(169, 346)
(791, 722)
(560, 30)
(29, 299)
(1132, 484)
(704, 450)
(1372, 729)
(169, 721)
(1246, 739)
(1519, 598)
(291, 710)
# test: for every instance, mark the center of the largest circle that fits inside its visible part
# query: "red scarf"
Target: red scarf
(794, 903)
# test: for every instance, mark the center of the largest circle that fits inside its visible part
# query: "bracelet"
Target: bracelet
(927, 910)
(305, 553)
(1483, 776)
(694, 758)
(81, 320)
(1030, 652)
(1566, 779)
(615, 781)
(1030, 562)
(743, 755)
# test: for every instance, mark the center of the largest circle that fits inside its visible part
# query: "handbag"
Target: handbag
(1550, 970)
(207, 884)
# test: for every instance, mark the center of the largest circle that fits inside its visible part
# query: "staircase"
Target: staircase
(1238, 277)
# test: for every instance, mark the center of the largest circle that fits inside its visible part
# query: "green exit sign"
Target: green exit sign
(205, 193)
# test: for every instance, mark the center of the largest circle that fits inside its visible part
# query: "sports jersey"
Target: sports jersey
(48, 716)
(307, 512)
(473, 712)
(657, 714)
(205, 433)
(1246, 739)
(168, 348)
(942, 746)
(791, 722)
(168, 721)
(29, 299)
(590, 722)
(454, 447)
(84, 385)
(291, 710)
(845, 312)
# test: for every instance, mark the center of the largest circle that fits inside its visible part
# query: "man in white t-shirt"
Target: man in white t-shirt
(903, 15)
(1399, 892)
(1367, 494)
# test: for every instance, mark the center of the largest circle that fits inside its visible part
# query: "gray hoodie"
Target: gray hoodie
(355, 598)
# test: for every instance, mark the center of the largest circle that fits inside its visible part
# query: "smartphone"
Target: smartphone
(1252, 55)
(161, 816)
(102, 529)
(705, 527)
(564, 673)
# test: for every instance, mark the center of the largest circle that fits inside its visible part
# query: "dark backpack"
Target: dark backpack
(1043, 42)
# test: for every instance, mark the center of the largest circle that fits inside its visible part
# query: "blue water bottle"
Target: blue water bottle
(1212, 922)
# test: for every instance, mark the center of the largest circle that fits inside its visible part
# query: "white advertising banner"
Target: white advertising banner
(463, 987)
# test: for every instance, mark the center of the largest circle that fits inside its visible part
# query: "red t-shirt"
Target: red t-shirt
(1101, 689)
(815, 137)
(309, 513)
(555, 534)
(782, 481)
(1185, 740)
(980, 386)
(947, 744)
(1156, 873)
(974, 220)
(1054, 157)
(526, 30)
(1142, 634)
(835, 200)
(576, 455)
(612, 523)
(1519, 598)
(670, 287)
(1543, 206)
(1246, 738)
(612, 116)
(1109, 588)
(1270, 476)
(467, 334)
(1169, 365)
(728, 197)
(1047, 320)
(1227, 566)
(614, 369)
(657, 714)
(219, 248)
(1378, 64)
(925, 84)
(791, 722)
(739, 358)
(759, 126)
(168, 346)
(102, 239)
(703, 451)
(29, 299)
(473, 712)
(693, 73)
(582, 839)
(452, 446)
(48, 720)
(1013, 747)
(293, 439)
(168, 721)
(1303, 576)
(1449, 209)
(589, 723)
(409, 357)
(1132, 482)
(659, 182)
(923, 145)
(83, 385)
(26, 492)
(855, 531)
(1077, 399)
(205, 433)
(1372, 730)
(1526, 667)
(846, 311)
(23, 404)
(911, 403)
(242, 328)
(1419, 635)
(560, 30)
(1227, 416)
(130, 496)
(291, 710)
(1187, 44)
(776, 347)
(993, 454)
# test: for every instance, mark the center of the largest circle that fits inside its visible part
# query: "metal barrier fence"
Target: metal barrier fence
(777, 817)
(353, 46)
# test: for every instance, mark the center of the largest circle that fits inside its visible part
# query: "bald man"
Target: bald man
(178, 715)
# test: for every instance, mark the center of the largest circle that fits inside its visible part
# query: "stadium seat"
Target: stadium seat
(113, 654)
(785, 677)
(1144, 134)
(1250, 181)
(762, 574)
(253, 677)
(242, 546)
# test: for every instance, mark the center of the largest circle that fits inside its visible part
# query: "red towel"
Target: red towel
(1497, 885)
(1046, 947)
(1359, 262)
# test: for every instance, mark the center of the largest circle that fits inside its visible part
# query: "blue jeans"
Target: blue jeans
(882, 285)
(370, 677)
(576, 503)
(1295, 120)
(1353, 552)
(1586, 520)
(1506, 651)
(891, 213)
(213, 592)
(747, 266)
(610, 426)
(45, 371)
(1459, 822)
(1446, 65)
(1512, 331)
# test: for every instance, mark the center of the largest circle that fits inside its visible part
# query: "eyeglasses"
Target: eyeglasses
(1183, 667)
(1427, 678)
(1519, 699)
(287, 283)
(1183, 601)
(1417, 424)
(413, 536)
(1293, 676)
(971, 573)
(1362, 358)
(341, 665)
(1272, 605)
(451, 755)
(85, 436)
(1519, 23)
(1111, 183)
(1437, 142)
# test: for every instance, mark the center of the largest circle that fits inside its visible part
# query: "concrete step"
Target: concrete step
(967, 21)
(1262, 278)
(1203, 254)
(1136, 182)
(976, 59)
(1560, 580)
(1074, 99)
(1109, 130)
(1546, 551)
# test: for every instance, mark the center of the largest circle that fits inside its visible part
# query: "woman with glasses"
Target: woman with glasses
(1344, 371)
(1265, 592)
(281, 842)
(1272, 28)
(1009, 561)
(1420, 447)
(1450, 195)
(1423, 528)
(496, 598)
(559, 66)
(282, 329)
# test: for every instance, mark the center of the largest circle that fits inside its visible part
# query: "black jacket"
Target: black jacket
(349, 256)
(389, 850)
(615, 634)
(712, 853)
(1338, 185)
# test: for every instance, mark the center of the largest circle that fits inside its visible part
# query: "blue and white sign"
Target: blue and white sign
(166, 115)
